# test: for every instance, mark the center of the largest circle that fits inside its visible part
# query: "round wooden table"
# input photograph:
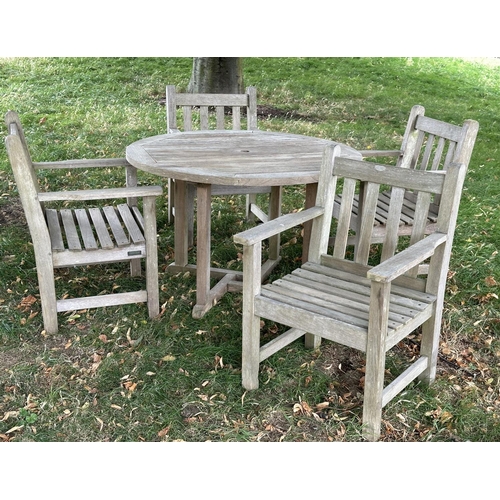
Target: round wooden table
(234, 158)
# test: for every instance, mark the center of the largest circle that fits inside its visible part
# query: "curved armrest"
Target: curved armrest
(83, 163)
(276, 226)
(402, 262)
(101, 194)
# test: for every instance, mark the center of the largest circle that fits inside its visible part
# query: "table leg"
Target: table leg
(180, 225)
(206, 297)
(203, 247)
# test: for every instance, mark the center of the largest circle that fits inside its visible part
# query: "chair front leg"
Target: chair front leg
(375, 360)
(45, 271)
(252, 255)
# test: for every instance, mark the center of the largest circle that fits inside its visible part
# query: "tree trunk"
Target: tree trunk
(217, 75)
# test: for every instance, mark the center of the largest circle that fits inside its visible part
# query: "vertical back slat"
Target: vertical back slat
(392, 225)
(344, 218)
(236, 118)
(367, 219)
(427, 154)
(187, 117)
(219, 114)
(438, 154)
(203, 117)
(252, 108)
(320, 231)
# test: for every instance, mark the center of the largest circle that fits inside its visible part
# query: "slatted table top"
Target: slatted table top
(246, 158)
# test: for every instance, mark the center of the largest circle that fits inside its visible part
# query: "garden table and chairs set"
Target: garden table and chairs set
(378, 229)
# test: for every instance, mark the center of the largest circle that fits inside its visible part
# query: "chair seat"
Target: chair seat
(317, 298)
(106, 234)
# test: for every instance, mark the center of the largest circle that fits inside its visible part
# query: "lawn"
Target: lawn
(114, 375)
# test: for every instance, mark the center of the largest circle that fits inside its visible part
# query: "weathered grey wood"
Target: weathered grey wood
(70, 231)
(428, 144)
(367, 303)
(86, 231)
(105, 240)
(193, 104)
(203, 250)
(114, 299)
(130, 223)
(243, 161)
(121, 239)
(409, 375)
(56, 238)
(82, 163)
(99, 194)
(67, 237)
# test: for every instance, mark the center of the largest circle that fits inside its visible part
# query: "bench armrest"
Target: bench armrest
(402, 262)
(276, 226)
(100, 194)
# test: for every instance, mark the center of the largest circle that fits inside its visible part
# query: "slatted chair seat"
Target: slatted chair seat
(89, 229)
(85, 235)
(317, 293)
(369, 298)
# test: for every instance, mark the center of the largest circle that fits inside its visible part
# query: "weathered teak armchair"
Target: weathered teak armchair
(428, 144)
(219, 112)
(347, 297)
(87, 235)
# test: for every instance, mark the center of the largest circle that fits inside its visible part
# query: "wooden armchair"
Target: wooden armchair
(369, 299)
(428, 144)
(205, 112)
(83, 236)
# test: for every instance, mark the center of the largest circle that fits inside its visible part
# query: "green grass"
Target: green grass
(114, 375)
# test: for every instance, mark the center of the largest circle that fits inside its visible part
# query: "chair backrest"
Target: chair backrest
(205, 111)
(426, 185)
(430, 144)
(24, 174)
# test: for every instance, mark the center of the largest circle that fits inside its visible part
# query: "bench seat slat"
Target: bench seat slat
(131, 224)
(55, 232)
(121, 238)
(100, 226)
(70, 231)
(88, 238)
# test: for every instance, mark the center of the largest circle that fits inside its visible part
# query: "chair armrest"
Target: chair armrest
(276, 226)
(84, 163)
(407, 259)
(100, 194)
(366, 153)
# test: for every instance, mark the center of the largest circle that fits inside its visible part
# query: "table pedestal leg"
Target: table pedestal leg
(180, 224)
(206, 297)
